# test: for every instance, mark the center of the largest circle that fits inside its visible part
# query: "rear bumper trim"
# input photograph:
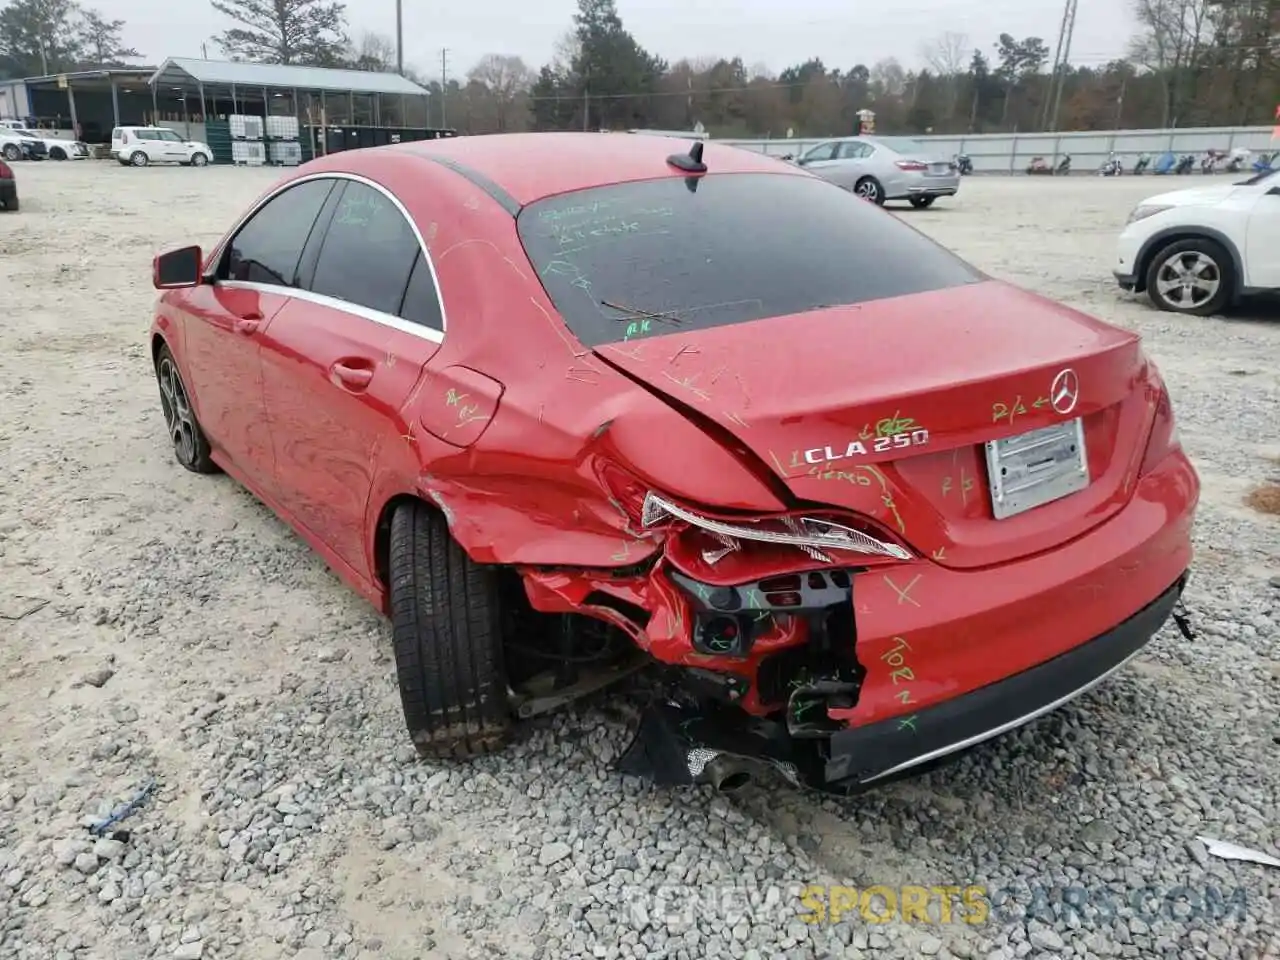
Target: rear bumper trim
(879, 750)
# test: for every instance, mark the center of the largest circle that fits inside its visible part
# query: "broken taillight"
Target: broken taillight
(1163, 438)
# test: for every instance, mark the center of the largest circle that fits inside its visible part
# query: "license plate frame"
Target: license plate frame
(1031, 469)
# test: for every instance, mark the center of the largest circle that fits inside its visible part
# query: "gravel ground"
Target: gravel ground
(187, 636)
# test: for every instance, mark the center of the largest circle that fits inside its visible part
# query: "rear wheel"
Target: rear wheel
(139, 159)
(12, 151)
(869, 188)
(57, 153)
(190, 446)
(199, 160)
(1193, 276)
(447, 620)
(922, 203)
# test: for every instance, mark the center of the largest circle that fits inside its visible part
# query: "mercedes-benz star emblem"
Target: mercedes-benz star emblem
(1065, 391)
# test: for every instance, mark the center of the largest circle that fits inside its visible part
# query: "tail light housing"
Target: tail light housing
(1163, 438)
(6, 171)
(916, 166)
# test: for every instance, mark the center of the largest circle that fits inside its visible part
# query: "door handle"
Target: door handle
(356, 378)
(248, 324)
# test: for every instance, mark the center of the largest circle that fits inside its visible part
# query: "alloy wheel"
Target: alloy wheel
(1188, 280)
(177, 412)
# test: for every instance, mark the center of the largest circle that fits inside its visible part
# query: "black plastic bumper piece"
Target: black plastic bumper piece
(881, 750)
(1126, 281)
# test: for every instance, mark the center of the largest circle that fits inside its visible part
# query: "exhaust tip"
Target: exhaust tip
(734, 781)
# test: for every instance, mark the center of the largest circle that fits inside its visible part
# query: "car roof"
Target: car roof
(530, 166)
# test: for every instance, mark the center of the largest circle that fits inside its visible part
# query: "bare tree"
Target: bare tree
(374, 52)
(947, 56)
(507, 80)
(565, 52)
(1170, 44)
(888, 78)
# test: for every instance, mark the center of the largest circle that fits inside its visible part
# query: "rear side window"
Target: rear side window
(268, 247)
(368, 252)
(421, 302)
(641, 259)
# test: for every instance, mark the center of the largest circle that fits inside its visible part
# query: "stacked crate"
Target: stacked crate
(246, 140)
(283, 148)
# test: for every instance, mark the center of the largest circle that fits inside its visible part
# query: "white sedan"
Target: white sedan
(58, 148)
(1198, 251)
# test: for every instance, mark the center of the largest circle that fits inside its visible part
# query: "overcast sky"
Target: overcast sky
(760, 31)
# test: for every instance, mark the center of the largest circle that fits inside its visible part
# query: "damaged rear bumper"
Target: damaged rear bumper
(877, 751)
(684, 746)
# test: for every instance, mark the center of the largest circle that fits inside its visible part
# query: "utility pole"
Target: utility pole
(44, 59)
(1070, 24)
(1053, 74)
(444, 82)
(400, 37)
(586, 101)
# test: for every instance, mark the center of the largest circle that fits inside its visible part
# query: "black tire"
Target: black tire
(12, 152)
(57, 153)
(446, 624)
(1214, 263)
(869, 188)
(922, 203)
(190, 445)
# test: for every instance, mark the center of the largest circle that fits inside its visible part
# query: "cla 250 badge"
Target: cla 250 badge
(859, 448)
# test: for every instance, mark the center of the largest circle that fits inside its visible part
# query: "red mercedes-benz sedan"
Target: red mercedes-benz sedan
(566, 405)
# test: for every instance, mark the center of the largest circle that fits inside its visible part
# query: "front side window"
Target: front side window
(268, 247)
(641, 259)
(368, 251)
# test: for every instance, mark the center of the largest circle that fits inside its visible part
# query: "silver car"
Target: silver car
(884, 168)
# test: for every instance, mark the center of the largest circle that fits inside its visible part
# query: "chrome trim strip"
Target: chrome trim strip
(1004, 727)
(377, 317)
(319, 299)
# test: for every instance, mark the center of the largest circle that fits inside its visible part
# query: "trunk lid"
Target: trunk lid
(884, 408)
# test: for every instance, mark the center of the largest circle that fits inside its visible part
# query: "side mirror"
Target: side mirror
(177, 268)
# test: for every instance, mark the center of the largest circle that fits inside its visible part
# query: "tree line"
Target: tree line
(1191, 63)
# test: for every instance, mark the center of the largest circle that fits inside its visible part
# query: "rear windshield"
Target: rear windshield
(642, 259)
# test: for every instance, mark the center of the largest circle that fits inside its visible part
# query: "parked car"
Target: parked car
(8, 187)
(141, 146)
(884, 168)
(14, 145)
(479, 377)
(1201, 250)
(56, 148)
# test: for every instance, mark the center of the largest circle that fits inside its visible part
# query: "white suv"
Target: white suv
(140, 146)
(1201, 250)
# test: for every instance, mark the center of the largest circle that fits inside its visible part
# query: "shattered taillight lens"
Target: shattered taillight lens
(1164, 433)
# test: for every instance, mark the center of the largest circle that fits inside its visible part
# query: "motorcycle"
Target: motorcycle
(1140, 167)
(963, 164)
(1064, 165)
(1111, 167)
(1212, 160)
(1266, 162)
(1186, 164)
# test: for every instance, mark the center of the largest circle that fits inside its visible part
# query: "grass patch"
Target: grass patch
(1265, 499)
